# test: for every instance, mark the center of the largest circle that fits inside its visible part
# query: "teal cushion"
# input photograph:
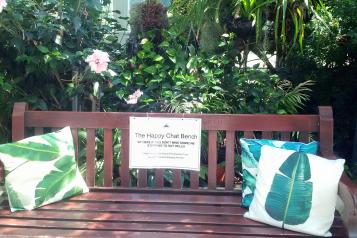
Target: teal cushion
(40, 170)
(251, 149)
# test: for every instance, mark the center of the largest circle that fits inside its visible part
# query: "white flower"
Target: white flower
(98, 61)
(133, 98)
(3, 4)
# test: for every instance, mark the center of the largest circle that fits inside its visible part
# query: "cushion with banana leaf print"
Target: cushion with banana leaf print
(297, 191)
(40, 170)
(250, 158)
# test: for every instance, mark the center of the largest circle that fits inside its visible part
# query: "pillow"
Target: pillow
(297, 192)
(40, 170)
(250, 157)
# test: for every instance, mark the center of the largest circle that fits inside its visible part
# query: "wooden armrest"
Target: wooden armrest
(347, 191)
(351, 226)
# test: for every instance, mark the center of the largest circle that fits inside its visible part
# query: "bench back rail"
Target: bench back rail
(267, 125)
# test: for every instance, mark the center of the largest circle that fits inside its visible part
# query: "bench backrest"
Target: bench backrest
(250, 125)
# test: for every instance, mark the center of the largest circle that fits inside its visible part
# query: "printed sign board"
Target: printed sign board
(173, 143)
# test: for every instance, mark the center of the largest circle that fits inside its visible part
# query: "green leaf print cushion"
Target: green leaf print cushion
(297, 192)
(251, 149)
(40, 170)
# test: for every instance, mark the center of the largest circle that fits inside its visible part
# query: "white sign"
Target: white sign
(173, 143)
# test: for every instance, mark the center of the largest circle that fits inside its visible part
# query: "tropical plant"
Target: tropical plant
(43, 48)
(282, 20)
(172, 77)
(258, 91)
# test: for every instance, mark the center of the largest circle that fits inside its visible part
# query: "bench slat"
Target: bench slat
(108, 158)
(159, 178)
(90, 172)
(152, 227)
(249, 134)
(229, 169)
(212, 159)
(124, 167)
(150, 208)
(125, 217)
(75, 141)
(157, 198)
(142, 178)
(194, 179)
(247, 122)
(32, 232)
(176, 178)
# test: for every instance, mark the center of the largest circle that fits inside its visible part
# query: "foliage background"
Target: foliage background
(193, 59)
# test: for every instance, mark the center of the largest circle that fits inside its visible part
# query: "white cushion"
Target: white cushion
(299, 190)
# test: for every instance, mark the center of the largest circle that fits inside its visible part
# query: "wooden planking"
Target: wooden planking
(108, 157)
(75, 141)
(162, 223)
(38, 130)
(159, 178)
(229, 168)
(236, 122)
(33, 232)
(159, 198)
(19, 121)
(249, 134)
(149, 208)
(144, 217)
(90, 172)
(124, 167)
(150, 227)
(326, 132)
(173, 213)
(212, 159)
(176, 178)
(194, 179)
(143, 178)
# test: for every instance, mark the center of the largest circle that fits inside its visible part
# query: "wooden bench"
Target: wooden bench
(161, 211)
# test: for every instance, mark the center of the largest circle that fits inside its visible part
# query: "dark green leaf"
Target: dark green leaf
(289, 199)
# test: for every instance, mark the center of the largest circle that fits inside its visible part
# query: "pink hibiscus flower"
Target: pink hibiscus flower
(3, 4)
(98, 61)
(133, 98)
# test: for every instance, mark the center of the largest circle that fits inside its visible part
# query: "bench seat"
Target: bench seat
(108, 212)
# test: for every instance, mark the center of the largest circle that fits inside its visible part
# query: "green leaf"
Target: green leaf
(150, 70)
(158, 58)
(289, 199)
(33, 151)
(64, 172)
(15, 202)
(203, 172)
(43, 49)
